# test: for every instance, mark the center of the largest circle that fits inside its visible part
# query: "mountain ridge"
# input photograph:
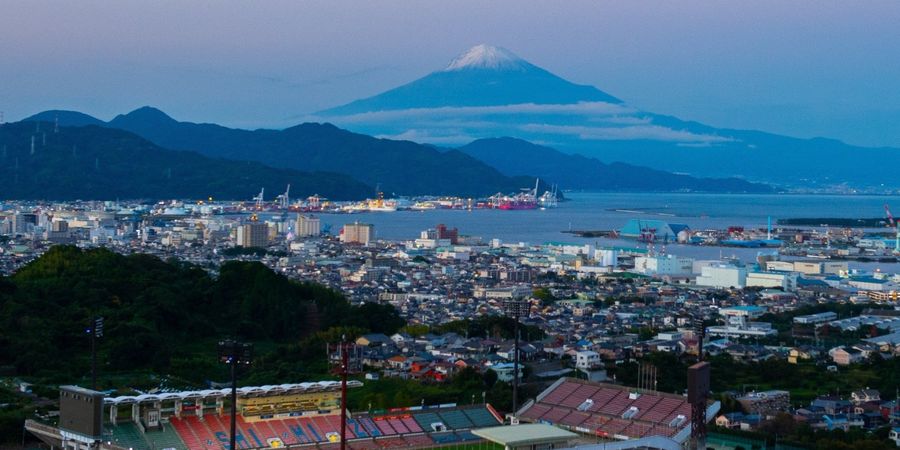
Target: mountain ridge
(400, 166)
(99, 163)
(583, 173)
(457, 107)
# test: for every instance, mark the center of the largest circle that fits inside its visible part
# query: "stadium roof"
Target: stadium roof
(246, 391)
(525, 434)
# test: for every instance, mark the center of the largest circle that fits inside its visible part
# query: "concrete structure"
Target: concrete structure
(779, 266)
(815, 318)
(23, 222)
(808, 267)
(527, 436)
(723, 277)
(784, 280)
(663, 265)
(253, 234)
(307, 225)
(587, 360)
(738, 323)
(358, 233)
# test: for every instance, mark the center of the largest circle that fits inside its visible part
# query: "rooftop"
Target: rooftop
(525, 434)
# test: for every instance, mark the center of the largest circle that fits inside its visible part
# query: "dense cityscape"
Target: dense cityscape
(467, 225)
(591, 312)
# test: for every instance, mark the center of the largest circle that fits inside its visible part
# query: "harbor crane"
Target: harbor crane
(284, 200)
(259, 198)
(896, 225)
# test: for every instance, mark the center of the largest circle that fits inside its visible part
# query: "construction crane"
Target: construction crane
(890, 217)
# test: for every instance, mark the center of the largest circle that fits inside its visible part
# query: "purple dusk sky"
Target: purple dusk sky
(802, 68)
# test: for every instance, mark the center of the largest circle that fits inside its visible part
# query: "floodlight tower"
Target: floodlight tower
(515, 308)
(233, 353)
(344, 369)
(96, 332)
(698, 392)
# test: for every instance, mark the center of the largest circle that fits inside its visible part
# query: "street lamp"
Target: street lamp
(233, 353)
(515, 308)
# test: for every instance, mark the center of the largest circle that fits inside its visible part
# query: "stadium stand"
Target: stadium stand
(455, 420)
(125, 435)
(425, 420)
(411, 425)
(419, 440)
(299, 415)
(608, 410)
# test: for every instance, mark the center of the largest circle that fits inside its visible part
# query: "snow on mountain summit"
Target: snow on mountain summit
(486, 57)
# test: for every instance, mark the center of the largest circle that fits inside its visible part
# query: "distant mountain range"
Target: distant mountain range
(515, 156)
(40, 161)
(488, 92)
(398, 166)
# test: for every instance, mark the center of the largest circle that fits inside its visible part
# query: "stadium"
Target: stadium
(617, 416)
(303, 415)
(307, 415)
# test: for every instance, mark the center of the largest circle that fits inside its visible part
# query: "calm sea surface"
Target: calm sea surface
(607, 211)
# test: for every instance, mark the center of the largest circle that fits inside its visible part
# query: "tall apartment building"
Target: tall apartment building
(357, 233)
(307, 226)
(23, 222)
(253, 234)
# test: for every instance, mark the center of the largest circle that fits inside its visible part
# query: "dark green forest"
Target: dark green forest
(160, 316)
(164, 318)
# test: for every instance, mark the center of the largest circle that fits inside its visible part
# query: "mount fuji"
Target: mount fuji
(489, 92)
(482, 76)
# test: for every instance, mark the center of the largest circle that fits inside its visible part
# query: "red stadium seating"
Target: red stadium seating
(555, 414)
(536, 411)
(578, 397)
(325, 427)
(385, 427)
(411, 425)
(560, 393)
(202, 431)
(287, 436)
(602, 397)
(397, 425)
(187, 435)
(575, 418)
(615, 406)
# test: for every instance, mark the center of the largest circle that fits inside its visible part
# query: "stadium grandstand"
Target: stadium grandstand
(303, 415)
(619, 416)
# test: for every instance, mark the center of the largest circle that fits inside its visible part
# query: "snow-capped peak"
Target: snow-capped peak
(486, 57)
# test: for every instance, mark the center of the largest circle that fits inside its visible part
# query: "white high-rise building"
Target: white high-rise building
(307, 226)
(357, 233)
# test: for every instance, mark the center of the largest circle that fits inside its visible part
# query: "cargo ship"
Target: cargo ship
(521, 201)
